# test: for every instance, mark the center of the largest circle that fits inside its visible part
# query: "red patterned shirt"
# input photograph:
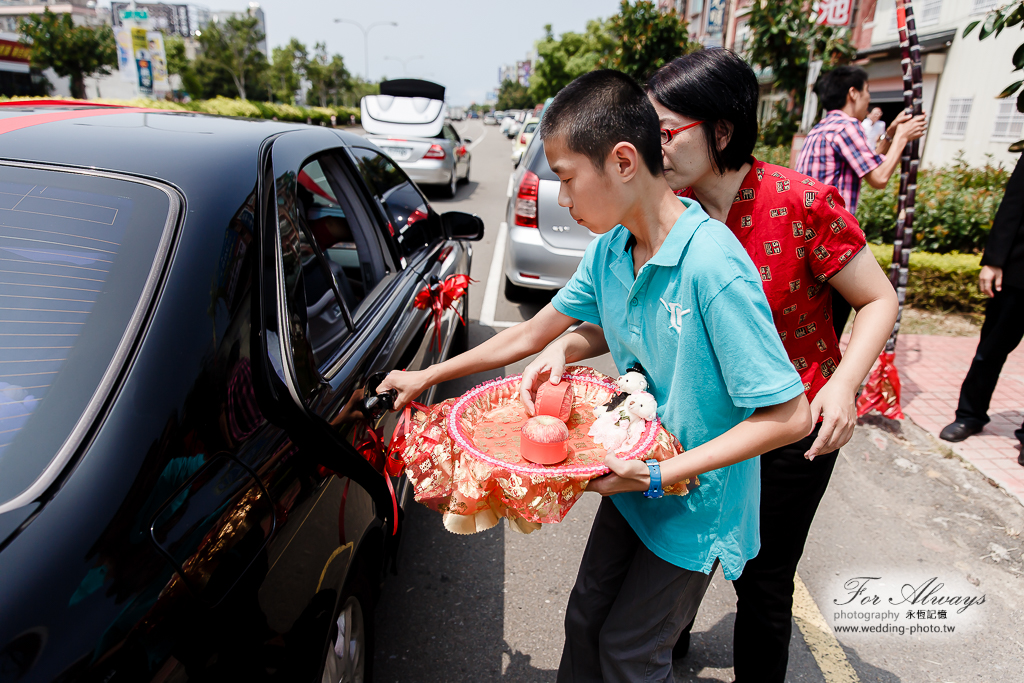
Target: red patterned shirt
(799, 234)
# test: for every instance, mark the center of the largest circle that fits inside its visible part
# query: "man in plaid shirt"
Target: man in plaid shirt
(837, 151)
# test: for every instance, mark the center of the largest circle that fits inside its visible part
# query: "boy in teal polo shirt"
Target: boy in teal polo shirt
(673, 289)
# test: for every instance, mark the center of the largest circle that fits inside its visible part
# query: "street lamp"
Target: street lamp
(405, 62)
(366, 37)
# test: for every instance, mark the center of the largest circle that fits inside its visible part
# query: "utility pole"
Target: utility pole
(366, 37)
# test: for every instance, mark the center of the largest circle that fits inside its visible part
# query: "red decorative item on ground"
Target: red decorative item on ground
(882, 392)
(440, 296)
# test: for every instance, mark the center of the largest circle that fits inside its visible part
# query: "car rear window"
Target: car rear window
(76, 252)
(537, 161)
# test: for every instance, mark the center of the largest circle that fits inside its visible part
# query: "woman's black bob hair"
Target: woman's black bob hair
(713, 85)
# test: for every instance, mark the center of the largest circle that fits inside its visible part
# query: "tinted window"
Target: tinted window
(537, 161)
(75, 255)
(410, 221)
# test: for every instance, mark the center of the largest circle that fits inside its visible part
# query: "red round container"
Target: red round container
(555, 400)
(549, 451)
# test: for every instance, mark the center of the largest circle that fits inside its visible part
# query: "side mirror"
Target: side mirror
(466, 141)
(463, 226)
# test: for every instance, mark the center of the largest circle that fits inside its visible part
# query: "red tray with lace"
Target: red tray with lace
(463, 456)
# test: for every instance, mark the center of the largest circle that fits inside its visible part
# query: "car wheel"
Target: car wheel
(453, 185)
(514, 292)
(350, 653)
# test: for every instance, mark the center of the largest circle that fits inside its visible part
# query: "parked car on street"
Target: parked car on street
(191, 474)
(522, 140)
(426, 146)
(545, 244)
(490, 119)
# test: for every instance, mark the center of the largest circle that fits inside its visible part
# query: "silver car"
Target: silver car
(545, 244)
(442, 160)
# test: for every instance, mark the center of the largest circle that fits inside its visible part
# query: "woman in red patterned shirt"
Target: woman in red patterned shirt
(805, 244)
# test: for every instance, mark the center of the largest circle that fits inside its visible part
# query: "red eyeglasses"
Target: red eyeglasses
(668, 134)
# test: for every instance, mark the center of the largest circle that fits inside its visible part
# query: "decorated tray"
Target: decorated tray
(463, 455)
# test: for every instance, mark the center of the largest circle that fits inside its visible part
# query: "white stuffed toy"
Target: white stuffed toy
(627, 384)
(620, 429)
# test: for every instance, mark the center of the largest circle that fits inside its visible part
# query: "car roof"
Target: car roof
(156, 143)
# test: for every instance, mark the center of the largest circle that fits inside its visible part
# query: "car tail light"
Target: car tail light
(416, 215)
(522, 139)
(435, 152)
(526, 200)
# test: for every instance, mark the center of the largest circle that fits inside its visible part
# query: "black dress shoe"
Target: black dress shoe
(957, 431)
(682, 646)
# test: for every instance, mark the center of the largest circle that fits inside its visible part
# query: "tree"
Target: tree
(513, 95)
(72, 51)
(645, 39)
(571, 55)
(287, 69)
(233, 45)
(179, 63)
(328, 76)
(994, 22)
(781, 31)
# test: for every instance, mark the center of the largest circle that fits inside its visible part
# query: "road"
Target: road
(900, 510)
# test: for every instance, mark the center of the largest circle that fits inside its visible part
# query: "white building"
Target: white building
(962, 77)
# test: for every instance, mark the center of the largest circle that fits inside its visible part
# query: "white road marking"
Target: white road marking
(494, 277)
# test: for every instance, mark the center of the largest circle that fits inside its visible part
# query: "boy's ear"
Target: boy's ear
(625, 160)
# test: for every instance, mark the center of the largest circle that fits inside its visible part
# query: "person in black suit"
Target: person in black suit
(1002, 278)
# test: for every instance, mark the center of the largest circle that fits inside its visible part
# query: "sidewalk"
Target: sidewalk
(932, 369)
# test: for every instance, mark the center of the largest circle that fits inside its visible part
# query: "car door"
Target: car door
(459, 151)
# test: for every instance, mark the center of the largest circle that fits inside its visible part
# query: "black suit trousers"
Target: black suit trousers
(1000, 335)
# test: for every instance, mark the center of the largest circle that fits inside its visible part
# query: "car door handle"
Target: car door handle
(374, 404)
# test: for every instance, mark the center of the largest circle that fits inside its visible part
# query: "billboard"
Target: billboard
(834, 12)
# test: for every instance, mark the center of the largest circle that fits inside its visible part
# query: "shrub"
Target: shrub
(778, 155)
(953, 212)
(939, 282)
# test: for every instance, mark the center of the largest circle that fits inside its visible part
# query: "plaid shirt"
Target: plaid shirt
(837, 153)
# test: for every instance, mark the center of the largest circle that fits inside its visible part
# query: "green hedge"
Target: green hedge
(939, 282)
(225, 106)
(953, 212)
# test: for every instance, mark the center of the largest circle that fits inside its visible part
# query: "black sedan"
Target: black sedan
(194, 312)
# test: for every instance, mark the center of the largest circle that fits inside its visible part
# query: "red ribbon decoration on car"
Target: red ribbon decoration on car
(440, 296)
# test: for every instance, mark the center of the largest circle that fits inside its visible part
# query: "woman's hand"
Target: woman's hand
(408, 384)
(549, 365)
(625, 475)
(836, 405)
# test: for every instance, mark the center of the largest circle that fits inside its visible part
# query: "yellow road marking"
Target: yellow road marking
(819, 637)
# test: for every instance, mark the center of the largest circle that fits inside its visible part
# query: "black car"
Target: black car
(194, 312)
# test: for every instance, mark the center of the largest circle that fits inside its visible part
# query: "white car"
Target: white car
(417, 136)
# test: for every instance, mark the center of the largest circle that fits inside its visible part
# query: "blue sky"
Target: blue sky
(462, 42)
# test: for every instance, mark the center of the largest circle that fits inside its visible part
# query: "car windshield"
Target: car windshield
(537, 161)
(76, 252)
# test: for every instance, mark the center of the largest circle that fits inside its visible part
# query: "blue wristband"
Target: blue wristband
(655, 487)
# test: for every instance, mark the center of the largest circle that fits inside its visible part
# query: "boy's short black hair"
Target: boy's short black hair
(712, 86)
(599, 110)
(833, 86)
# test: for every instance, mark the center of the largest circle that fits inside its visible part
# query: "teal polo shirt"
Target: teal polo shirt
(697, 320)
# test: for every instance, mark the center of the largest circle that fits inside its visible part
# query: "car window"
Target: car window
(530, 127)
(450, 133)
(410, 221)
(336, 256)
(76, 253)
(537, 161)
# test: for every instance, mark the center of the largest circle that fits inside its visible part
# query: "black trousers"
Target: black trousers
(1000, 335)
(627, 608)
(791, 489)
(841, 309)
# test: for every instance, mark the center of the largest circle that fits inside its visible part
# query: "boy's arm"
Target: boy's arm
(586, 341)
(508, 346)
(767, 429)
